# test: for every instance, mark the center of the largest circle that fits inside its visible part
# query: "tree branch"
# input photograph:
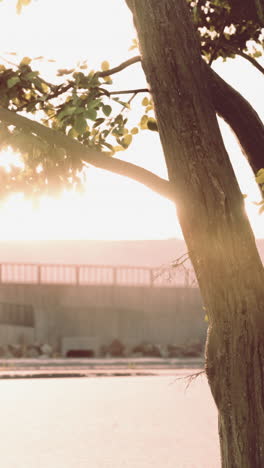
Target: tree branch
(120, 67)
(228, 103)
(130, 91)
(240, 116)
(251, 60)
(96, 158)
(247, 57)
(236, 111)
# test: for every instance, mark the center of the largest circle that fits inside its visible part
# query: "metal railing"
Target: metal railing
(28, 273)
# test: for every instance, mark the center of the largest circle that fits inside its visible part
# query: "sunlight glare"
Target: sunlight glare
(112, 207)
(9, 158)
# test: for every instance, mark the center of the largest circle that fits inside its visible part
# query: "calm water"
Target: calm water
(112, 422)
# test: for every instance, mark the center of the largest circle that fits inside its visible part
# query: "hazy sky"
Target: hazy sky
(112, 207)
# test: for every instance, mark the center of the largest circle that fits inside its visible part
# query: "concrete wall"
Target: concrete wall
(14, 334)
(131, 314)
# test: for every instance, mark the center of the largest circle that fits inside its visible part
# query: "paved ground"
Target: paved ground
(113, 422)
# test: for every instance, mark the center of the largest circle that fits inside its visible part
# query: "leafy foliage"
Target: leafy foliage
(85, 108)
(260, 181)
(80, 107)
(226, 27)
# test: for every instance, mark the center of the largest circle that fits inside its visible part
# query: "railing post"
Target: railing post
(114, 275)
(151, 277)
(39, 274)
(77, 274)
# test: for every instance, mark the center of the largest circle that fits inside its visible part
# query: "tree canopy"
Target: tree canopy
(84, 119)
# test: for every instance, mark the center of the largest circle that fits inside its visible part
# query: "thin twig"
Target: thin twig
(189, 378)
(180, 260)
(8, 61)
(128, 102)
(247, 57)
(251, 60)
(165, 268)
(130, 91)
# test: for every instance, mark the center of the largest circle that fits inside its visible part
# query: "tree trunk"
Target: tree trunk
(211, 212)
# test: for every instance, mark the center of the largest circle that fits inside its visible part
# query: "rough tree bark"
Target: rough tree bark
(216, 229)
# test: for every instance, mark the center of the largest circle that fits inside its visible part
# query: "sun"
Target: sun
(9, 159)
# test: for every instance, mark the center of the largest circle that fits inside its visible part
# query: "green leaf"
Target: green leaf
(69, 110)
(98, 122)
(257, 54)
(31, 75)
(12, 81)
(152, 125)
(90, 114)
(107, 110)
(80, 124)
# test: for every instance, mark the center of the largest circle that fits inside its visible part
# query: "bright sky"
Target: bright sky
(113, 207)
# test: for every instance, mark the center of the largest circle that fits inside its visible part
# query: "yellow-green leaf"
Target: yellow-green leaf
(20, 4)
(143, 122)
(44, 87)
(105, 65)
(108, 79)
(12, 81)
(72, 133)
(25, 61)
(260, 176)
(80, 124)
(127, 139)
(106, 109)
(134, 131)
(145, 101)
(118, 148)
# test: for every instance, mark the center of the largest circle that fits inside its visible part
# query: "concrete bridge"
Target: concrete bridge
(55, 303)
